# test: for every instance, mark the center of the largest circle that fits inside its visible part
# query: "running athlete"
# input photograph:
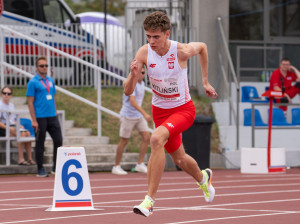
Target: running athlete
(172, 108)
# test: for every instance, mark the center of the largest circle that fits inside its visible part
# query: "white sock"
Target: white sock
(203, 180)
(150, 198)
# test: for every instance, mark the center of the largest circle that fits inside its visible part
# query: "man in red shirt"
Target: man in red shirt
(282, 80)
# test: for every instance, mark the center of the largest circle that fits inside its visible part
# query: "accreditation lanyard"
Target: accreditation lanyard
(47, 87)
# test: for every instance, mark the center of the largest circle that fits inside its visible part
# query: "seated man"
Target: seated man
(282, 80)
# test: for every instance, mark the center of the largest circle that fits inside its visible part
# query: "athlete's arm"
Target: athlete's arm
(185, 51)
(135, 70)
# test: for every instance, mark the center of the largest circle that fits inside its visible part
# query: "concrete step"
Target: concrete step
(101, 157)
(78, 131)
(86, 140)
(92, 167)
(19, 101)
(69, 123)
(101, 148)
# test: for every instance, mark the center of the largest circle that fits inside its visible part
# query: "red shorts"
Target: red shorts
(176, 120)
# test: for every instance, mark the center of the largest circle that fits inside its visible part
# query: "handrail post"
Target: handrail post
(236, 81)
(1, 58)
(7, 140)
(99, 118)
(252, 125)
(237, 118)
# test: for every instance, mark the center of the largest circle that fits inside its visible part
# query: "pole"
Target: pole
(270, 131)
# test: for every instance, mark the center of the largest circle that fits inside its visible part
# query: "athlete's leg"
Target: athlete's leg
(187, 163)
(157, 159)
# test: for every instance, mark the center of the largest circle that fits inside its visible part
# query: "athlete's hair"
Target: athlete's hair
(157, 21)
(40, 58)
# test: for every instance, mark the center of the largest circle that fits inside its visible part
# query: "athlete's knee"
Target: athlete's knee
(179, 160)
(157, 141)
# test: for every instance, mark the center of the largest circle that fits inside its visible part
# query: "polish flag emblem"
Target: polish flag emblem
(171, 64)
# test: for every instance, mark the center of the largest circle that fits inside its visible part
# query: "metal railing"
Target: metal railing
(253, 126)
(225, 59)
(49, 51)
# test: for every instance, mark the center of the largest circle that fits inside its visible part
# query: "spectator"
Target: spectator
(133, 116)
(42, 107)
(282, 79)
(5, 104)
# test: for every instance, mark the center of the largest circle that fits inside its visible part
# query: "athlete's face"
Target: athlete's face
(157, 39)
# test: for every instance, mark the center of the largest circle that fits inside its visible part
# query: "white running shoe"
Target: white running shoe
(142, 168)
(145, 208)
(118, 170)
(207, 187)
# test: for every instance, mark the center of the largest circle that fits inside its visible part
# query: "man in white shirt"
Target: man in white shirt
(133, 116)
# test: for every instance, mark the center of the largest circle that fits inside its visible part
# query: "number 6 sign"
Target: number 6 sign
(72, 190)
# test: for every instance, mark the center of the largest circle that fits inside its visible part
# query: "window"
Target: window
(54, 12)
(284, 18)
(20, 7)
(246, 20)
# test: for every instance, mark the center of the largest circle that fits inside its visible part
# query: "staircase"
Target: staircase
(100, 154)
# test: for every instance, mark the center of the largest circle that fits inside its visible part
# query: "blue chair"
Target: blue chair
(250, 94)
(257, 118)
(296, 116)
(278, 118)
(27, 125)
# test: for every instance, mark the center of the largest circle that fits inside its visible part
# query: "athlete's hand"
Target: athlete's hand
(210, 91)
(134, 69)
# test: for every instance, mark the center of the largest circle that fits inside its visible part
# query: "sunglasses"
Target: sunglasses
(42, 66)
(6, 93)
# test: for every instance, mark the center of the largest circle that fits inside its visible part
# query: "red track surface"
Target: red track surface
(240, 198)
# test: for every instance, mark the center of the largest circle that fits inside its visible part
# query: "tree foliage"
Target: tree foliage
(114, 7)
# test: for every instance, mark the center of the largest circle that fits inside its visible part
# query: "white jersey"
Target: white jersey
(168, 80)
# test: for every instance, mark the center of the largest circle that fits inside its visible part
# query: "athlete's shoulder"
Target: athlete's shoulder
(185, 51)
(142, 53)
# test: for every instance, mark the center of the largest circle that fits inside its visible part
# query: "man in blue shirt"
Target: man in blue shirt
(42, 108)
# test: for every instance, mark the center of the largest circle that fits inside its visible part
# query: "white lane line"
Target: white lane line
(170, 190)
(165, 184)
(157, 210)
(66, 217)
(234, 217)
(185, 176)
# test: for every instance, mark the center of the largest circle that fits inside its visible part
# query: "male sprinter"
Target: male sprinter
(172, 108)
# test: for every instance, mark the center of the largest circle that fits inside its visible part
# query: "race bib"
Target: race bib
(166, 89)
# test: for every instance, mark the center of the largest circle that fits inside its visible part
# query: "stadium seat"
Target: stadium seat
(27, 125)
(250, 94)
(257, 118)
(278, 118)
(296, 116)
